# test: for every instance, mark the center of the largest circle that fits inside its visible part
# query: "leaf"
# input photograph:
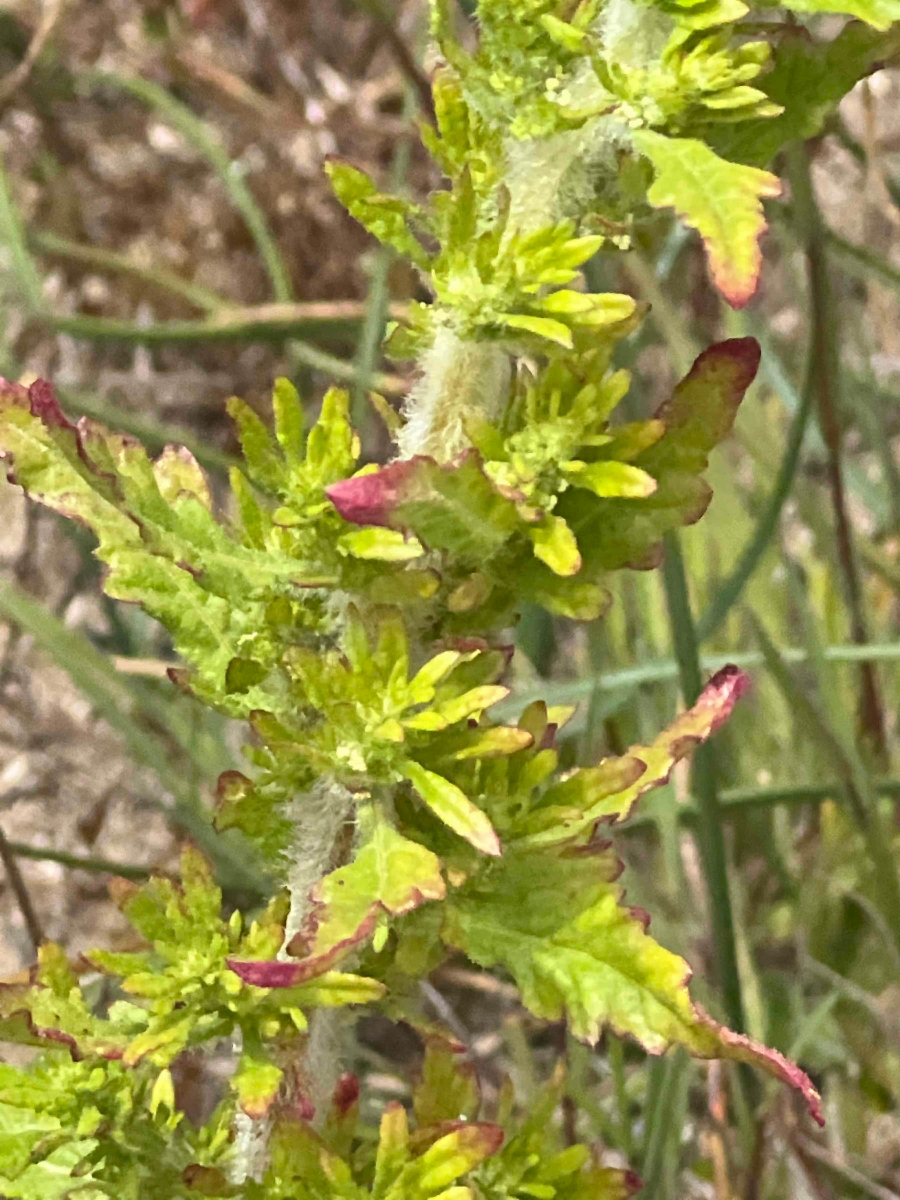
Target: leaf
(612, 479)
(50, 1009)
(389, 874)
(448, 1089)
(720, 199)
(385, 217)
(385, 545)
(449, 1158)
(453, 508)
(453, 807)
(58, 1175)
(613, 533)
(609, 791)
(558, 925)
(393, 1149)
(879, 13)
(20, 1131)
(808, 79)
(162, 546)
(543, 327)
(554, 544)
(256, 1082)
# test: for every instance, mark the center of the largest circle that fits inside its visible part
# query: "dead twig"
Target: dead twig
(20, 891)
(19, 75)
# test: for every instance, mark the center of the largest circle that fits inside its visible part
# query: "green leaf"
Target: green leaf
(721, 200)
(879, 13)
(554, 544)
(385, 217)
(55, 1177)
(454, 508)
(453, 807)
(256, 1082)
(162, 546)
(609, 791)
(613, 533)
(809, 79)
(612, 479)
(378, 544)
(389, 874)
(543, 327)
(447, 1159)
(448, 1089)
(20, 1131)
(558, 926)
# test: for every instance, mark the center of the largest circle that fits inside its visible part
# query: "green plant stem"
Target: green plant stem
(824, 374)
(766, 525)
(665, 670)
(851, 770)
(79, 862)
(227, 326)
(12, 234)
(710, 836)
(113, 263)
(198, 135)
(666, 1076)
(326, 319)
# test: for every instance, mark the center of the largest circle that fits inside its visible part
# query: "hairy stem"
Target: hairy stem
(460, 379)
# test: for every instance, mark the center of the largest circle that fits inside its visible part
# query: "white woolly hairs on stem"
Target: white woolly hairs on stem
(317, 818)
(460, 379)
(251, 1148)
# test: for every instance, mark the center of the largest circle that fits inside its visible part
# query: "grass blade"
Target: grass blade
(199, 135)
(710, 837)
(111, 698)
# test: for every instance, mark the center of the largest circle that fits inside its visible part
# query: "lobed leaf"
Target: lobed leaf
(558, 925)
(388, 875)
(720, 199)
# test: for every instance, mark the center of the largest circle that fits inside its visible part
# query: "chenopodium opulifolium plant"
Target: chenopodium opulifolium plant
(357, 619)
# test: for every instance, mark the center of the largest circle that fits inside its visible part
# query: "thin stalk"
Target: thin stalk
(79, 862)
(113, 263)
(12, 234)
(850, 769)
(326, 319)
(20, 891)
(615, 1054)
(710, 835)
(767, 524)
(665, 670)
(824, 375)
(198, 134)
(232, 325)
(666, 1076)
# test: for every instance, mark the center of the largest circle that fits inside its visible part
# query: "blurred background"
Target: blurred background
(167, 238)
